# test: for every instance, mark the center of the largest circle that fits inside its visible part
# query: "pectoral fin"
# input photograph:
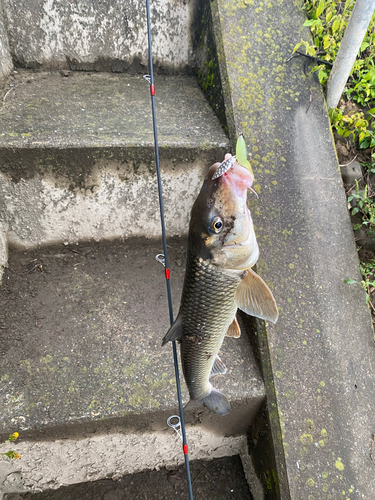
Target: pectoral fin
(234, 329)
(255, 298)
(174, 333)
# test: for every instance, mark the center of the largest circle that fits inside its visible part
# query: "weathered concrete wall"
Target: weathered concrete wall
(6, 64)
(37, 212)
(100, 35)
(319, 359)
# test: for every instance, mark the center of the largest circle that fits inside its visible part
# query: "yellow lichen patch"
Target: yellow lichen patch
(310, 482)
(339, 465)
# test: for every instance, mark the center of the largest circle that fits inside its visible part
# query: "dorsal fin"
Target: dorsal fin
(234, 329)
(255, 298)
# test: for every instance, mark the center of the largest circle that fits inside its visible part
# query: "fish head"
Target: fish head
(221, 229)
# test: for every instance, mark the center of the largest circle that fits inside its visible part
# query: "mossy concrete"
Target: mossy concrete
(319, 359)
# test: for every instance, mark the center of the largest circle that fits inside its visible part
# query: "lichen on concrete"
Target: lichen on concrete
(324, 333)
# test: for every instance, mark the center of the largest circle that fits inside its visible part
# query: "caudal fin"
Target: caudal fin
(216, 401)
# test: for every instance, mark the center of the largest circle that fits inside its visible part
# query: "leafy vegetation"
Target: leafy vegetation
(368, 281)
(355, 116)
(327, 20)
(366, 207)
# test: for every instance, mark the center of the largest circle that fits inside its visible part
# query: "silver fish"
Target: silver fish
(218, 280)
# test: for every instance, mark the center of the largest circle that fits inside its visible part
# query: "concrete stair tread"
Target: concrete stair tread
(223, 479)
(48, 110)
(81, 337)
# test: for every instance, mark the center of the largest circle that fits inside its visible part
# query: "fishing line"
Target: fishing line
(150, 79)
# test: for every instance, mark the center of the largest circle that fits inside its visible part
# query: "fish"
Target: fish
(222, 249)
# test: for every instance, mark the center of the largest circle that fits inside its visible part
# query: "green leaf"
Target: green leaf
(335, 25)
(323, 76)
(241, 154)
(326, 42)
(320, 8)
(312, 22)
(350, 281)
(364, 46)
(355, 210)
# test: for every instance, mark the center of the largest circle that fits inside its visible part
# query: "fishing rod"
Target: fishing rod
(150, 79)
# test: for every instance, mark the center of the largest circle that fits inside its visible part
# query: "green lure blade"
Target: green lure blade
(241, 154)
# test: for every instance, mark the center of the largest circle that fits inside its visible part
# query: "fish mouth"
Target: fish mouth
(236, 177)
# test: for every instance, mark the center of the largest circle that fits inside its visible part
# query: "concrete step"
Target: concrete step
(218, 479)
(101, 36)
(77, 156)
(81, 359)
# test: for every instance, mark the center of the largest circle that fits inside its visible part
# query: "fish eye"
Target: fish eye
(216, 225)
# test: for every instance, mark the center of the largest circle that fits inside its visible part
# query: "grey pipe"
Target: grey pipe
(350, 45)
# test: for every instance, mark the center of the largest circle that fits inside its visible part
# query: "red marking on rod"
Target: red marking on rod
(152, 89)
(185, 448)
(167, 274)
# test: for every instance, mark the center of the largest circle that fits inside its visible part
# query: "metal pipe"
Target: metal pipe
(349, 48)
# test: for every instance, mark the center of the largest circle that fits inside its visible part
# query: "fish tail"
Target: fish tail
(216, 401)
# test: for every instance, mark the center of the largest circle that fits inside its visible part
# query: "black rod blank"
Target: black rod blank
(167, 273)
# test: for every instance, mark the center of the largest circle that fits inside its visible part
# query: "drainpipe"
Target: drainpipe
(349, 48)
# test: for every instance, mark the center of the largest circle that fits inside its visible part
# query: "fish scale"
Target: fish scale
(207, 307)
